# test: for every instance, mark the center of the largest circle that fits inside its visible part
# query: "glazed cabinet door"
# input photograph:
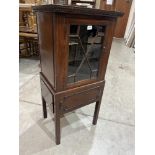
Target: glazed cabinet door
(86, 51)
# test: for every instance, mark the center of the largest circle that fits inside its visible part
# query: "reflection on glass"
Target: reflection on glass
(85, 47)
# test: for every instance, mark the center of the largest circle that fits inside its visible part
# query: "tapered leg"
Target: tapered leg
(57, 124)
(53, 107)
(96, 112)
(44, 108)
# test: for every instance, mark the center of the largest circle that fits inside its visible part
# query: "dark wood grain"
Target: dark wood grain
(70, 9)
(45, 29)
(53, 27)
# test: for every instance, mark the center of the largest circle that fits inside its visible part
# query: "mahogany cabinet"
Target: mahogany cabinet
(74, 45)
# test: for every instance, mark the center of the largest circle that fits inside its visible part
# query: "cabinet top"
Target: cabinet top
(72, 9)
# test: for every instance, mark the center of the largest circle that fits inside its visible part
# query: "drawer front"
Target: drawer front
(47, 95)
(81, 98)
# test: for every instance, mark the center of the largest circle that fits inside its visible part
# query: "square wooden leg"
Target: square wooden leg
(96, 112)
(44, 108)
(57, 130)
(57, 123)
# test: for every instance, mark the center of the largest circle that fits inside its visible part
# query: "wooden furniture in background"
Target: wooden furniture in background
(105, 6)
(28, 45)
(124, 6)
(119, 5)
(75, 45)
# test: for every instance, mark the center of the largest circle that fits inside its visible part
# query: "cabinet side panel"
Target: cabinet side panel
(60, 51)
(107, 44)
(45, 32)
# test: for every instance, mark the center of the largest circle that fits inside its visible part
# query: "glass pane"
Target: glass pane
(85, 47)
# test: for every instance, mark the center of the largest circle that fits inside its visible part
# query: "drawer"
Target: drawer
(80, 98)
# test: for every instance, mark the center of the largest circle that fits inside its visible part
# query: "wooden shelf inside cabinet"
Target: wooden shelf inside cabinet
(74, 50)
